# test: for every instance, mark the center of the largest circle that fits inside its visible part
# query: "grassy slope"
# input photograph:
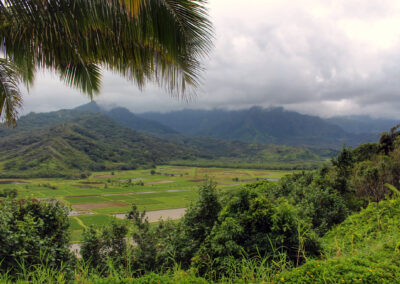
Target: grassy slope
(364, 248)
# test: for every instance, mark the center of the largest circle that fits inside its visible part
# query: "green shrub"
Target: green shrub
(153, 249)
(32, 232)
(103, 245)
(9, 192)
(354, 269)
(252, 225)
(317, 201)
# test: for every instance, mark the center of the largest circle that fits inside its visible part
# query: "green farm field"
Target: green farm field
(96, 200)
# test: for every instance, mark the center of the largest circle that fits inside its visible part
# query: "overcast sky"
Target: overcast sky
(317, 57)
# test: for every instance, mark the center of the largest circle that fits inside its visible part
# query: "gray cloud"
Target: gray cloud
(314, 56)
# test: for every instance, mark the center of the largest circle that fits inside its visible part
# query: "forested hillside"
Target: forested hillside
(124, 117)
(274, 125)
(256, 125)
(34, 121)
(90, 142)
(238, 154)
(75, 142)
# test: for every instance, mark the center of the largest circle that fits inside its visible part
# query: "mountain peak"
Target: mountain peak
(121, 110)
(91, 107)
(125, 117)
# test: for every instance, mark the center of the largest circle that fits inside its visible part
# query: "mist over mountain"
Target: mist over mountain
(362, 123)
(254, 125)
(272, 125)
(124, 117)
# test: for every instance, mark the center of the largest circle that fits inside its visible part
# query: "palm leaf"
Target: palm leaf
(10, 96)
(395, 191)
(86, 77)
(162, 41)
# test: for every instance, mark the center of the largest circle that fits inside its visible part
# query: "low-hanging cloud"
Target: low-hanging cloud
(315, 56)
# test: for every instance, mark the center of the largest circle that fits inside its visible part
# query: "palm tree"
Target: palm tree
(162, 41)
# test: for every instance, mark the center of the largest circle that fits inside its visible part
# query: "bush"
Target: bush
(197, 224)
(152, 244)
(369, 177)
(31, 233)
(252, 225)
(317, 201)
(103, 245)
(8, 192)
(344, 270)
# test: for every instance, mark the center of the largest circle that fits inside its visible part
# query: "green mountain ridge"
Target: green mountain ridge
(273, 126)
(33, 121)
(124, 117)
(254, 125)
(91, 142)
(234, 153)
(67, 143)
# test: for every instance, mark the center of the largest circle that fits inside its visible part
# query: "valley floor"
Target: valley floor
(163, 192)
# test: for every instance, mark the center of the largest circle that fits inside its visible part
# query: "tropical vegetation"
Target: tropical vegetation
(339, 223)
(143, 40)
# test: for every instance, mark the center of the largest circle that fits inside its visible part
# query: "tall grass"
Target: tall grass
(255, 269)
(40, 273)
(246, 270)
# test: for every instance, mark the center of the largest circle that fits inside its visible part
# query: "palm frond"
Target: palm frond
(85, 77)
(10, 95)
(395, 191)
(161, 41)
(133, 7)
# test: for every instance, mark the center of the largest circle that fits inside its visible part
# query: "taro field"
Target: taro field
(163, 192)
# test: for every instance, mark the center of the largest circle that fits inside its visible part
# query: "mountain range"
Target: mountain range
(92, 138)
(271, 126)
(362, 123)
(254, 125)
(89, 138)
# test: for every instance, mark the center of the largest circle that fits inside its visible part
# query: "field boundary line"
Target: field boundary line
(80, 222)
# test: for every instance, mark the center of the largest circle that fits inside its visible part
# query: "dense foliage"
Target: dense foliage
(364, 248)
(339, 223)
(32, 233)
(216, 231)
